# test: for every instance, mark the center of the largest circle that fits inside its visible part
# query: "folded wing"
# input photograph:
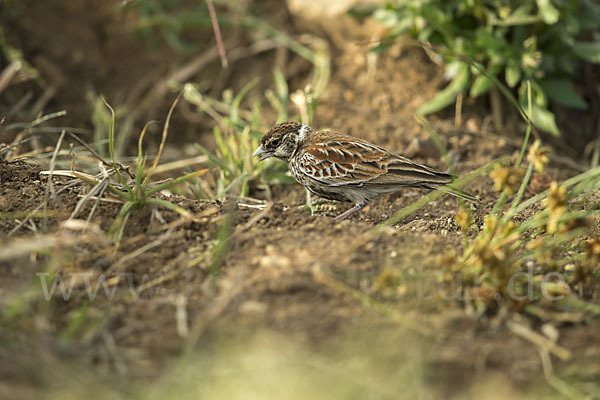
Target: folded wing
(344, 160)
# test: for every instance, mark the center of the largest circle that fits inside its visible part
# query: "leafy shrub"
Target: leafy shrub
(544, 41)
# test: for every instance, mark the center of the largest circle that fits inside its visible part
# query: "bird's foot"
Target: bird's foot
(351, 211)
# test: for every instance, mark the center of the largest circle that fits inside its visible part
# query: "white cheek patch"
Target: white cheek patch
(302, 132)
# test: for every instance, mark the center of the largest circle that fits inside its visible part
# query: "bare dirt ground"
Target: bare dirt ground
(290, 295)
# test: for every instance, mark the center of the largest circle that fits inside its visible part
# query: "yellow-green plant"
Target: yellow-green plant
(237, 134)
(508, 261)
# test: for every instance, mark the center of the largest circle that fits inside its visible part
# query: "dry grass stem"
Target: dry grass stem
(539, 340)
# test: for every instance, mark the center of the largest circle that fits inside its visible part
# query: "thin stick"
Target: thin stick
(8, 73)
(18, 106)
(172, 273)
(215, 25)
(558, 384)
(50, 188)
(256, 218)
(181, 315)
(131, 241)
(100, 191)
(179, 164)
(539, 340)
(88, 148)
(13, 146)
(458, 110)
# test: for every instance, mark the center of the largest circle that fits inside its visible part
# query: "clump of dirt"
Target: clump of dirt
(20, 186)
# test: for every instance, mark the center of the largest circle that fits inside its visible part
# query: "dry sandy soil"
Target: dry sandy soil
(291, 298)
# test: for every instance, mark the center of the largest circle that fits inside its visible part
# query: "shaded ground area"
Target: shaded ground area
(270, 298)
(296, 275)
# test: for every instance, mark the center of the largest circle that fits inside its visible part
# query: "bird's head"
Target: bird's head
(282, 140)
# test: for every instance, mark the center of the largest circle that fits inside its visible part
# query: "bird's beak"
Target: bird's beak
(262, 152)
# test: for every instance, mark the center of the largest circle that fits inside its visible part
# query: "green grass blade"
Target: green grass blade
(521, 191)
(163, 139)
(592, 174)
(176, 181)
(118, 226)
(235, 104)
(111, 148)
(173, 207)
(141, 159)
(528, 130)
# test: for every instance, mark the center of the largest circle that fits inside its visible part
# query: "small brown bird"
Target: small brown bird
(345, 168)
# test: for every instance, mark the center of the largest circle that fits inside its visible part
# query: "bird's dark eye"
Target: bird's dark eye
(275, 142)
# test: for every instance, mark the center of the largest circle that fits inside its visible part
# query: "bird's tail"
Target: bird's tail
(454, 192)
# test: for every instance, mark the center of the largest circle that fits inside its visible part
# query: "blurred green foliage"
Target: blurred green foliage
(544, 41)
(170, 20)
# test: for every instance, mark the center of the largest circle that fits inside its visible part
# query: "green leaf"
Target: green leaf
(386, 15)
(512, 74)
(565, 65)
(490, 42)
(539, 96)
(481, 86)
(446, 96)
(173, 207)
(561, 92)
(521, 16)
(517, 20)
(544, 120)
(117, 228)
(588, 51)
(453, 68)
(589, 15)
(548, 12)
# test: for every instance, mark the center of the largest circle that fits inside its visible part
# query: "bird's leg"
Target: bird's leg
(351, 211)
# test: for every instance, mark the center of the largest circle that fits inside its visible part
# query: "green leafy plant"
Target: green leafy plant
(140, 192)
(542, 41)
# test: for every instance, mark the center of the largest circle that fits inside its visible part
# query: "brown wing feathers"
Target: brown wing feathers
(350, 160)
(408, 170)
